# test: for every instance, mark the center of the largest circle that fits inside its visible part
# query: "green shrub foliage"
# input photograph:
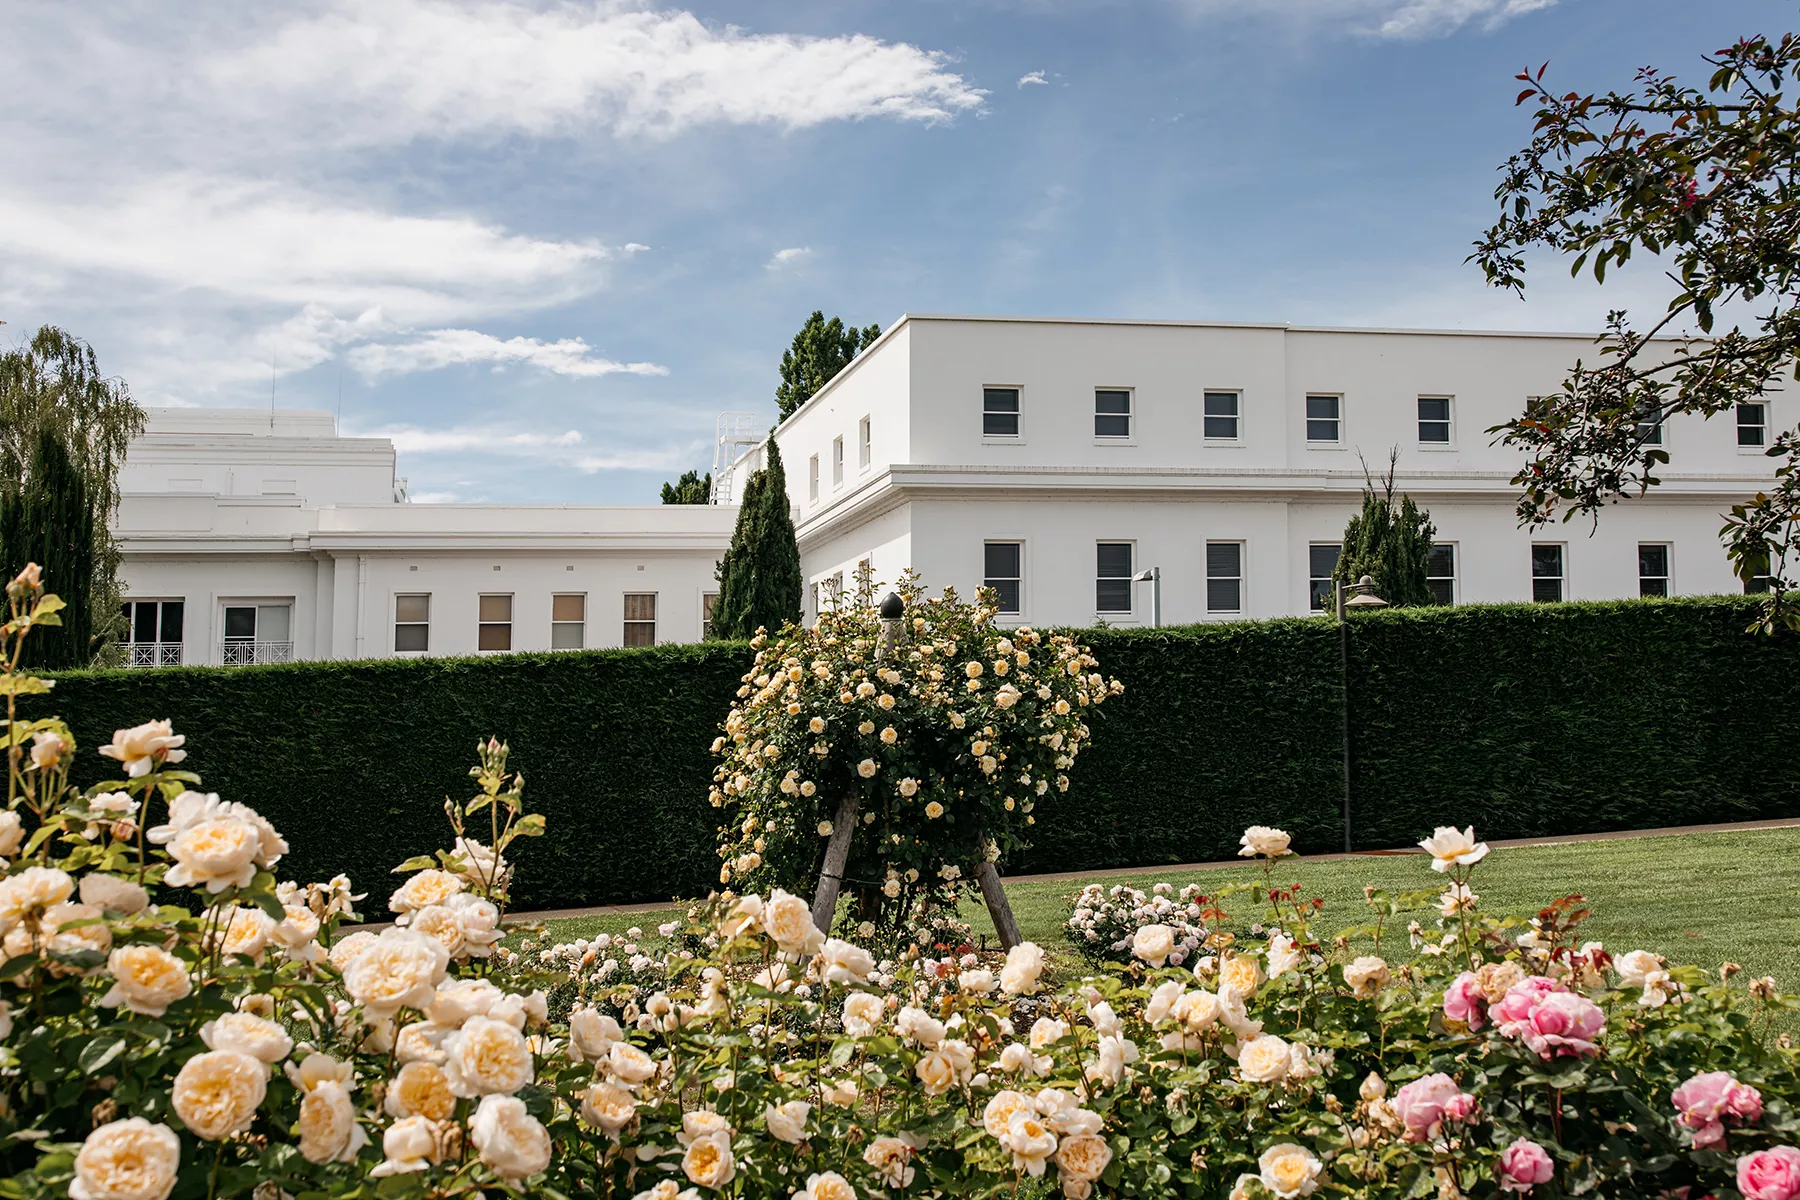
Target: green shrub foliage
(1553, 719)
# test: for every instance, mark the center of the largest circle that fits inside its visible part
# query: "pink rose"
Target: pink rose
(1550, 1021)
(1704, 1101)
(1523, 1165)
(1772, 1174)
(1424, 1104)
(1464, 1002)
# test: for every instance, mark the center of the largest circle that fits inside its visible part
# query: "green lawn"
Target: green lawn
(1697, 898)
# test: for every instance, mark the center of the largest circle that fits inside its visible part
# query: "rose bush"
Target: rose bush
(947, 738)
(246, 1043)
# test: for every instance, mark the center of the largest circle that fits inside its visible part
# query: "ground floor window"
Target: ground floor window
(640, 618)
(257, 633)
(153, 632)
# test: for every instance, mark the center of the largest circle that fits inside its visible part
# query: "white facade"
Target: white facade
(909, 458)
(256, 537)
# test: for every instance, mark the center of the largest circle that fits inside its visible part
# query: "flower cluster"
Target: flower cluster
(1105, 920)
(938, 737)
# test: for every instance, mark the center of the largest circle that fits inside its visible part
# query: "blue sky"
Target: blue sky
(543, 245)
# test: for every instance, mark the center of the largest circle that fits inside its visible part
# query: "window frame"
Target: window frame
(1236, 418)
(1455, 576)
(628, 622)
(1306, 421)
(1561, 577)
(398, 624)
(483, 623)
(1130, 609)
(1241, 579)
(1017, 612)
(1329, 599)
(1761, 444)
(812, 479)
(1667, 578)
(710, 600)
(1448, 421)
(865, 447)
(163, 651)
(1130, 414)
(579, 626)
(837, 462)
(1017, 415)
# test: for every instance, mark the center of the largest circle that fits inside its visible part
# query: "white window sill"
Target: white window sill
(1335, 446)
(1002, 441)
(1758, 451)
(1114, 441)
(1223, 443)
(1437, 447)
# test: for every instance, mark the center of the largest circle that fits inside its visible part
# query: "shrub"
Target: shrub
(1103, 920)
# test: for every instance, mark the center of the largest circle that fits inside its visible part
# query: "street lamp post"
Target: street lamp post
(1153, 577)
(1359, 595)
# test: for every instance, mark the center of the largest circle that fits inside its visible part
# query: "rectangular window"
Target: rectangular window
(812, 478)
(1763, 582)
(1000, 412)
(1219, 416)
(412, 622)
(279, 487)
(864, 449)
(1653, 570)
(1649, 432)
(153, 633)
(1112, 586)
(257, 633)
(1321, 561)
(1112, 414)
(1440, 573)
(568, 621)
(1546, 572)
(709, 599)
(1753, 424)
(1001, 563)
(640, 618)
(837, 462)
(1324, 418)
(494, 622)
(1224, 577)
(1434, 420)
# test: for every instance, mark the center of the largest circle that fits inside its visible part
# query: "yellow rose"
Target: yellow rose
(32, 890)
(487, 1057)
(215, 854)
(424, 889)
(146, 980)
(328, 1128)
(1239, 975)
(1289, 1170)
(1264, 1059)
(708, 1162)
(934, 810)
(216, 1094)
(420, 1089)
(828, 1185)
(127, 1160)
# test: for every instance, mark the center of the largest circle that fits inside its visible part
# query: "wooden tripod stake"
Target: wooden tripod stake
(837, 848)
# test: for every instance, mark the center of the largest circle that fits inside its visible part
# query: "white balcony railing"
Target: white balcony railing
(152, 654)
(244, 652)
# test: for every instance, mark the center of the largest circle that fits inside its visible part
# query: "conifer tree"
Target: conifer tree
(821, 349)
(691, 488)
(759, 577)
(1389, 541)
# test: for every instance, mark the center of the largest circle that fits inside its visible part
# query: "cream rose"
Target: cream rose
(317, 1068)
(487, 1057)
(146, 980)
(509, 1139)
(215, 854)
(608, 1107)
(629, 1064)
(1452, 847)
(139, 748)
(420, 1089)
(262, 1040)
(1289, 1170)
(1030, 1140)
(1000, 1110)
(845, 962)
(113, 894)
(216, 1094)
(708, 1161)
(1153, 944)
(787, 1122)
(1264, 1059)
(410, 1144)
(1367, 976)
(1024, 968)
(862, 1014)
(788, 919)
(1262, 841)
(456, 1000)
(1239, 976)
(345, 949)
(32, 890)
(245, 933)
(399, 969)
(422, 1041)
(745, 916)
(127, 1160)
(936, 1072)
(591, 1035)
(827, 1185)
(1083, 1157)
(668, 1189)
(328, 1128)
(426, 888)
(1283, 955)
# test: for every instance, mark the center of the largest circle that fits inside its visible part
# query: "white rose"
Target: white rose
(591, 1035)
(788, 919)
(862, 1014)
(1289, 1170)
(328, 1128)
(410, 1144)
(348, 947)
(787, 1122)
(1367, 976)
(608, 1107)
(1082, 1157)
(1031, 1142)
(630, 1064)
(428, 887)
(746, 915)
(1450, 846)
(708, 1162)
(146, 980)
(891, 1157)
(1022, 971)
(487, 1057)
(114, 894)
(317, 1068)
(216, 1094)
(1153, 944)
(845, 962)
(1283, 956)
(262, 1040)
(32, 890)
(399, 969)
(668, 1189)
(1001, 1109)
(422, 1041)
(1265, 1059)
(1262, 841)
(1636, 966)
(139, 747)
(12, 832)
(1116, 1053)
(699, 1123)
(216, 854)
(1046, 1031)
(977, 983)
(920, 1026)
(936, 1072)
(1161, 1005)
(509, 1139)
(419, 1089)
(827, 1185)
(127, 1160)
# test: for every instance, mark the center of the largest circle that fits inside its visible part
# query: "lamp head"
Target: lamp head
(1365, 595)
(1145, 575)
(892, 608)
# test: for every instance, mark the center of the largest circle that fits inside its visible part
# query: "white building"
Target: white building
(1055, 459)
(250, 536)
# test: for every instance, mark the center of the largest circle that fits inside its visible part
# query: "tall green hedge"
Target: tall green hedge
(1523, 719)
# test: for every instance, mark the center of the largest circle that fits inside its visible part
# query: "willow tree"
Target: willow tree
(53, 394)
(50, 521)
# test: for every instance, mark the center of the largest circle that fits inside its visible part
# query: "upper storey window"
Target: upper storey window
(1220, 416)
(1434, 420)
(1000, 412)
(1112, 413)
(1324, 419)
(1752, 424)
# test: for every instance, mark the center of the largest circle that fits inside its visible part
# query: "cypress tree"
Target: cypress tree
(759, 577)
(1389, 541)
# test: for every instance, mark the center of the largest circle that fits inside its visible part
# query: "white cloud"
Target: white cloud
(410, 439)
(569, 449)
(1404, 19)
(434, 497)
(393, 70)
(789, 254)
(1033, 77)
(440, 348)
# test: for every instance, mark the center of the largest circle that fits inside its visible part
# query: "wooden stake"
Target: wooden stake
(837, 857)
(988, 876)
